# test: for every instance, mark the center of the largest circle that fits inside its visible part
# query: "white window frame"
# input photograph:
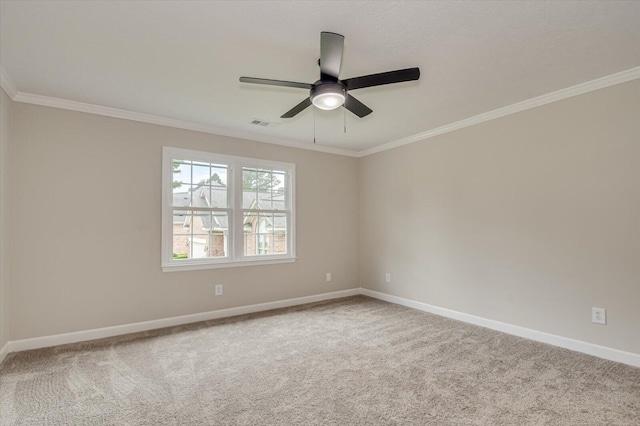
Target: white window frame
(235, 243)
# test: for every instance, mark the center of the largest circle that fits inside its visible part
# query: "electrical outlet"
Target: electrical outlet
(599, 315)
(219, 290)
(328, 276)
(387, 277)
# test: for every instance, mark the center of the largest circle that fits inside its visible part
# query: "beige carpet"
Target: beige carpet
(351, 361)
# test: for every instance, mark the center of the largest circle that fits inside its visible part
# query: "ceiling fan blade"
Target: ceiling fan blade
(275, 82)
(331, 46)
(390, 77)
(297, 109)
(357, 107)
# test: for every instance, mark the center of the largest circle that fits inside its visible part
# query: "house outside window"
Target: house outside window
(220, 210)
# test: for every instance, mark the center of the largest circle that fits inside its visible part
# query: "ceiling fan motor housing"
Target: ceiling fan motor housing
(328, 94)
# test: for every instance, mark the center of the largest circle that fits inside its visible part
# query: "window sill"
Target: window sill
(231, 264)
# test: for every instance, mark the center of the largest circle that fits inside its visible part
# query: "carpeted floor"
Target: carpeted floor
(352, 361)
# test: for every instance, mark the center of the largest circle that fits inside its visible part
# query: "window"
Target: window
(220, 210)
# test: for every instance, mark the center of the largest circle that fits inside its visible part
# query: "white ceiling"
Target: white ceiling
(182, 60)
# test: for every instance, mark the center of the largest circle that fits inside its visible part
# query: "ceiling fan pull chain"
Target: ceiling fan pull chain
(344, 110)
(314, 125)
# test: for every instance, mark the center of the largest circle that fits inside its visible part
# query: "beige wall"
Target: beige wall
(530, 219)
(5, 112)
(85, 201)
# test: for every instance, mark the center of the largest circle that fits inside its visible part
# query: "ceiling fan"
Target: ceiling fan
(330, 92)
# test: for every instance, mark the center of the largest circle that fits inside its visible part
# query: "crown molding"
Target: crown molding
(7, 84)
(170, 122)
(579, 89)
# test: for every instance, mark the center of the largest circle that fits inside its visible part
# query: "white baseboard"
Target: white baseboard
(611, 354)
(604, 352)
(99, 333)
(4, 352)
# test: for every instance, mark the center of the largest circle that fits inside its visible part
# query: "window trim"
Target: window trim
(235, 239)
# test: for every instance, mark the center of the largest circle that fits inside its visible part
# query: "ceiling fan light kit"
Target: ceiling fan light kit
(328, 95)
(330, 92)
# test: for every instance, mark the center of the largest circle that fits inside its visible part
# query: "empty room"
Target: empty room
(319, 212)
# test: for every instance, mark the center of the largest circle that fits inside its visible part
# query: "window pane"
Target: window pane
(201, 174)
(278, 201)
(201, 222)
(249, 200)
(218, 186)
(249, 179)
(181, 247)
(218, 196)
(181, 195)
(181, 222)
(264, 201)
(249, 188)
(264, 234)
(181, 171)
(219, 246)
(200, 196)
(199, 246)
(219, 175)
(249, 226)
(279, 233)
(278, 181)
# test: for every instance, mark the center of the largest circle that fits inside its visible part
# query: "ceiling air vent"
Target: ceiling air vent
(263, 123)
